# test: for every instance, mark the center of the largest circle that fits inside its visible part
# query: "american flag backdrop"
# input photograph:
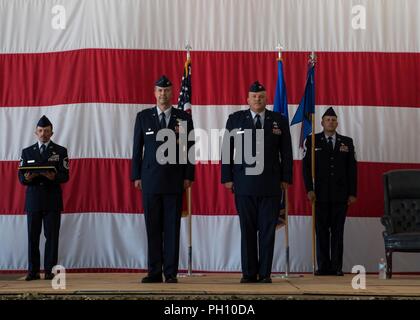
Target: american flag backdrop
(90, 66)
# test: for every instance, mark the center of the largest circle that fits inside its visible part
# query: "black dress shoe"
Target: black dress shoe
(32, 276)
(49, 276)
(171, 280)
(322, 273)
(265, 280)
(249, 280)
(152, 279)
(339, 273)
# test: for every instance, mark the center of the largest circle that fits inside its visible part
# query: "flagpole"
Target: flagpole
(189, 231)
(313, 183)
(279, 50)
(286, 232)
(287, 274)
(188, 191)
(312, 60)
(286, 201)
(188, 48)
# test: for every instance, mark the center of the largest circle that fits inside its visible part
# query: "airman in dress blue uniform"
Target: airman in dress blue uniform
(335, 189)
(258, 197)
(162, 184)
(44, 201)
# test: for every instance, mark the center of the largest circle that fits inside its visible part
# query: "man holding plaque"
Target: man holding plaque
(44, 166)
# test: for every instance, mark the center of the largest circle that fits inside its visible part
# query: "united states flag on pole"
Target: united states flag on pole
(184, 99)
(184, 103)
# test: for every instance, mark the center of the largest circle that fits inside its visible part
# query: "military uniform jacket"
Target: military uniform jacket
(278, 157)
(335, 173)
(160, 178)
(43, 194)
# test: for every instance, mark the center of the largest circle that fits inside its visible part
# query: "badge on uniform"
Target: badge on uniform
(66, 163)
(276, 129)
(54, 157)
(178, 127)
(344, 148)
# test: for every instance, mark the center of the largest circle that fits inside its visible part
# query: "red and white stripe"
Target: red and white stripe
(93, 77)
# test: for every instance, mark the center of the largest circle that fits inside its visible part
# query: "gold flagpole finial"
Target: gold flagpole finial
(312, 58)
(280, 49)
(188, 48)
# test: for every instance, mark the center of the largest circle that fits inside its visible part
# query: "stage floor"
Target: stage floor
(209, 286)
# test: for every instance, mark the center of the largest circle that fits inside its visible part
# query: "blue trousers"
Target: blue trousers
(162, 214)
(329, 224)
(258, 218)
(51, 221)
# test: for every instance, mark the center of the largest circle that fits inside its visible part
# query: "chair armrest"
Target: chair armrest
(387, 222)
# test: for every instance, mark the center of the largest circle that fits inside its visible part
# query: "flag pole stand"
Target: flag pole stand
(312, 60)
(189, 272)
(287, 274)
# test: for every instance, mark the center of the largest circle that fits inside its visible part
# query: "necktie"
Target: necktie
(162, 121)
(43, 152)
(258, 122)
(330, 143)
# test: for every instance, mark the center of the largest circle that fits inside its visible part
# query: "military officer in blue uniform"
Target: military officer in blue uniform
(258, 196)
(335, 189)
(44, 201)
(162, 184)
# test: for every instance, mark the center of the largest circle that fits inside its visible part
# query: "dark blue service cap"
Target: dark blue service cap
(163, 82)
(256, 87)
(44, 122)
(330, 112)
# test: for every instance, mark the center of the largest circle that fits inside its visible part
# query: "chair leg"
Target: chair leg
(388, 263)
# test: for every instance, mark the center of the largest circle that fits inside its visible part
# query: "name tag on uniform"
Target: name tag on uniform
(30, 161)
(149, 132)
(240, 132)
(318, 149)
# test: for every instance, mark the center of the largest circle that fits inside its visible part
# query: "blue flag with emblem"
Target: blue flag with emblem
(306, 106)
(280, 105)
(280, 97)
